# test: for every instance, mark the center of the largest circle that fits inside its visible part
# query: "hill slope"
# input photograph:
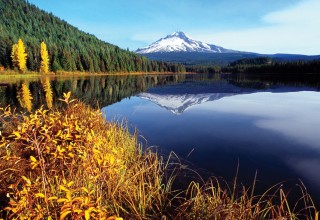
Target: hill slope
(69, 48)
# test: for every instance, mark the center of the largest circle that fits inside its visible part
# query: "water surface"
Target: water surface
(219, 124)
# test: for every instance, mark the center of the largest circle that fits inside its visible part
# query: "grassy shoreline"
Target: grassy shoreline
(17, 74)
(8, 76)
(58, 166)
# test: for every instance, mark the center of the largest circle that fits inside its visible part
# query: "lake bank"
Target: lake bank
(11, 77)
(63, 166)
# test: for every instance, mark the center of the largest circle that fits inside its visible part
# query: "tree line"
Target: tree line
(69, 49)
(261, 65)
(268, 65)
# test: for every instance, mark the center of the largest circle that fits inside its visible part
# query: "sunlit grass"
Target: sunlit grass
(12, 75)
(72, 164)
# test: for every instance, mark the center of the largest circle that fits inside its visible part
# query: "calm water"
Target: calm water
(217, 124)
(212, 122)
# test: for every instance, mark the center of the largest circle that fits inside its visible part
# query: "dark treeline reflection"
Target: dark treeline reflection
(265, 81)
(96, 91)
(99, 91)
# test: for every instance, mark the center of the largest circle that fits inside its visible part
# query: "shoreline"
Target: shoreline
(99, 166)
(8, 77)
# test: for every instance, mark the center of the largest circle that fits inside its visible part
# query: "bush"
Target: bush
(72, 164)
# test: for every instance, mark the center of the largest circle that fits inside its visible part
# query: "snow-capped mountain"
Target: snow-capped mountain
(180, 42)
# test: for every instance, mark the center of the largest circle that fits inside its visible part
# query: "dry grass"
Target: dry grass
(213, 201)
(72, 164)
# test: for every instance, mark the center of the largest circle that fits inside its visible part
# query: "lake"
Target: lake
(216, 125)
(213, 123)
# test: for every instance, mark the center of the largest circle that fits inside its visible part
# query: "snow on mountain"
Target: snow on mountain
(180, 42)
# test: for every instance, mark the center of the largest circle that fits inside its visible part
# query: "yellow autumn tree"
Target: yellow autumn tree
(44, 65)
(19, 56)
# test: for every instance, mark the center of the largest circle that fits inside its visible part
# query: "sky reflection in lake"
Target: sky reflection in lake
(294, 115)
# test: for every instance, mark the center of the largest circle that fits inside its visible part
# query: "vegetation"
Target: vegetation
(44, 65)
(19, 56)
(260, 65)
(268, 65)
(203, 69)
(200, 59)
(69, 49)
(55, 165)
(73, 168)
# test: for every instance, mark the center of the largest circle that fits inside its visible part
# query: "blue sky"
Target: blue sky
(263, 26)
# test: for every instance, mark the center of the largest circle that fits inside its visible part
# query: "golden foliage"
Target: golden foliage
(72, 164)
(44, 65)
(24, 96)
(19, 56)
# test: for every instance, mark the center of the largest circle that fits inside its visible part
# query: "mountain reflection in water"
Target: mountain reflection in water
(178, 98)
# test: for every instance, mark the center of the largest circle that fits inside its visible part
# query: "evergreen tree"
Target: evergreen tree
(14, 55)
(44, 65)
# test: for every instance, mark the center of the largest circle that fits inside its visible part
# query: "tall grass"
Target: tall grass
(72, 164)
(213, 201)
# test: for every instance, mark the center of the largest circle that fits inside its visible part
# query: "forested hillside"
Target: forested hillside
(271, 65)
(69, 48)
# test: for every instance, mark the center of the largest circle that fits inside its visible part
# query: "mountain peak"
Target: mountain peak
(180, 42)
(178, 34)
